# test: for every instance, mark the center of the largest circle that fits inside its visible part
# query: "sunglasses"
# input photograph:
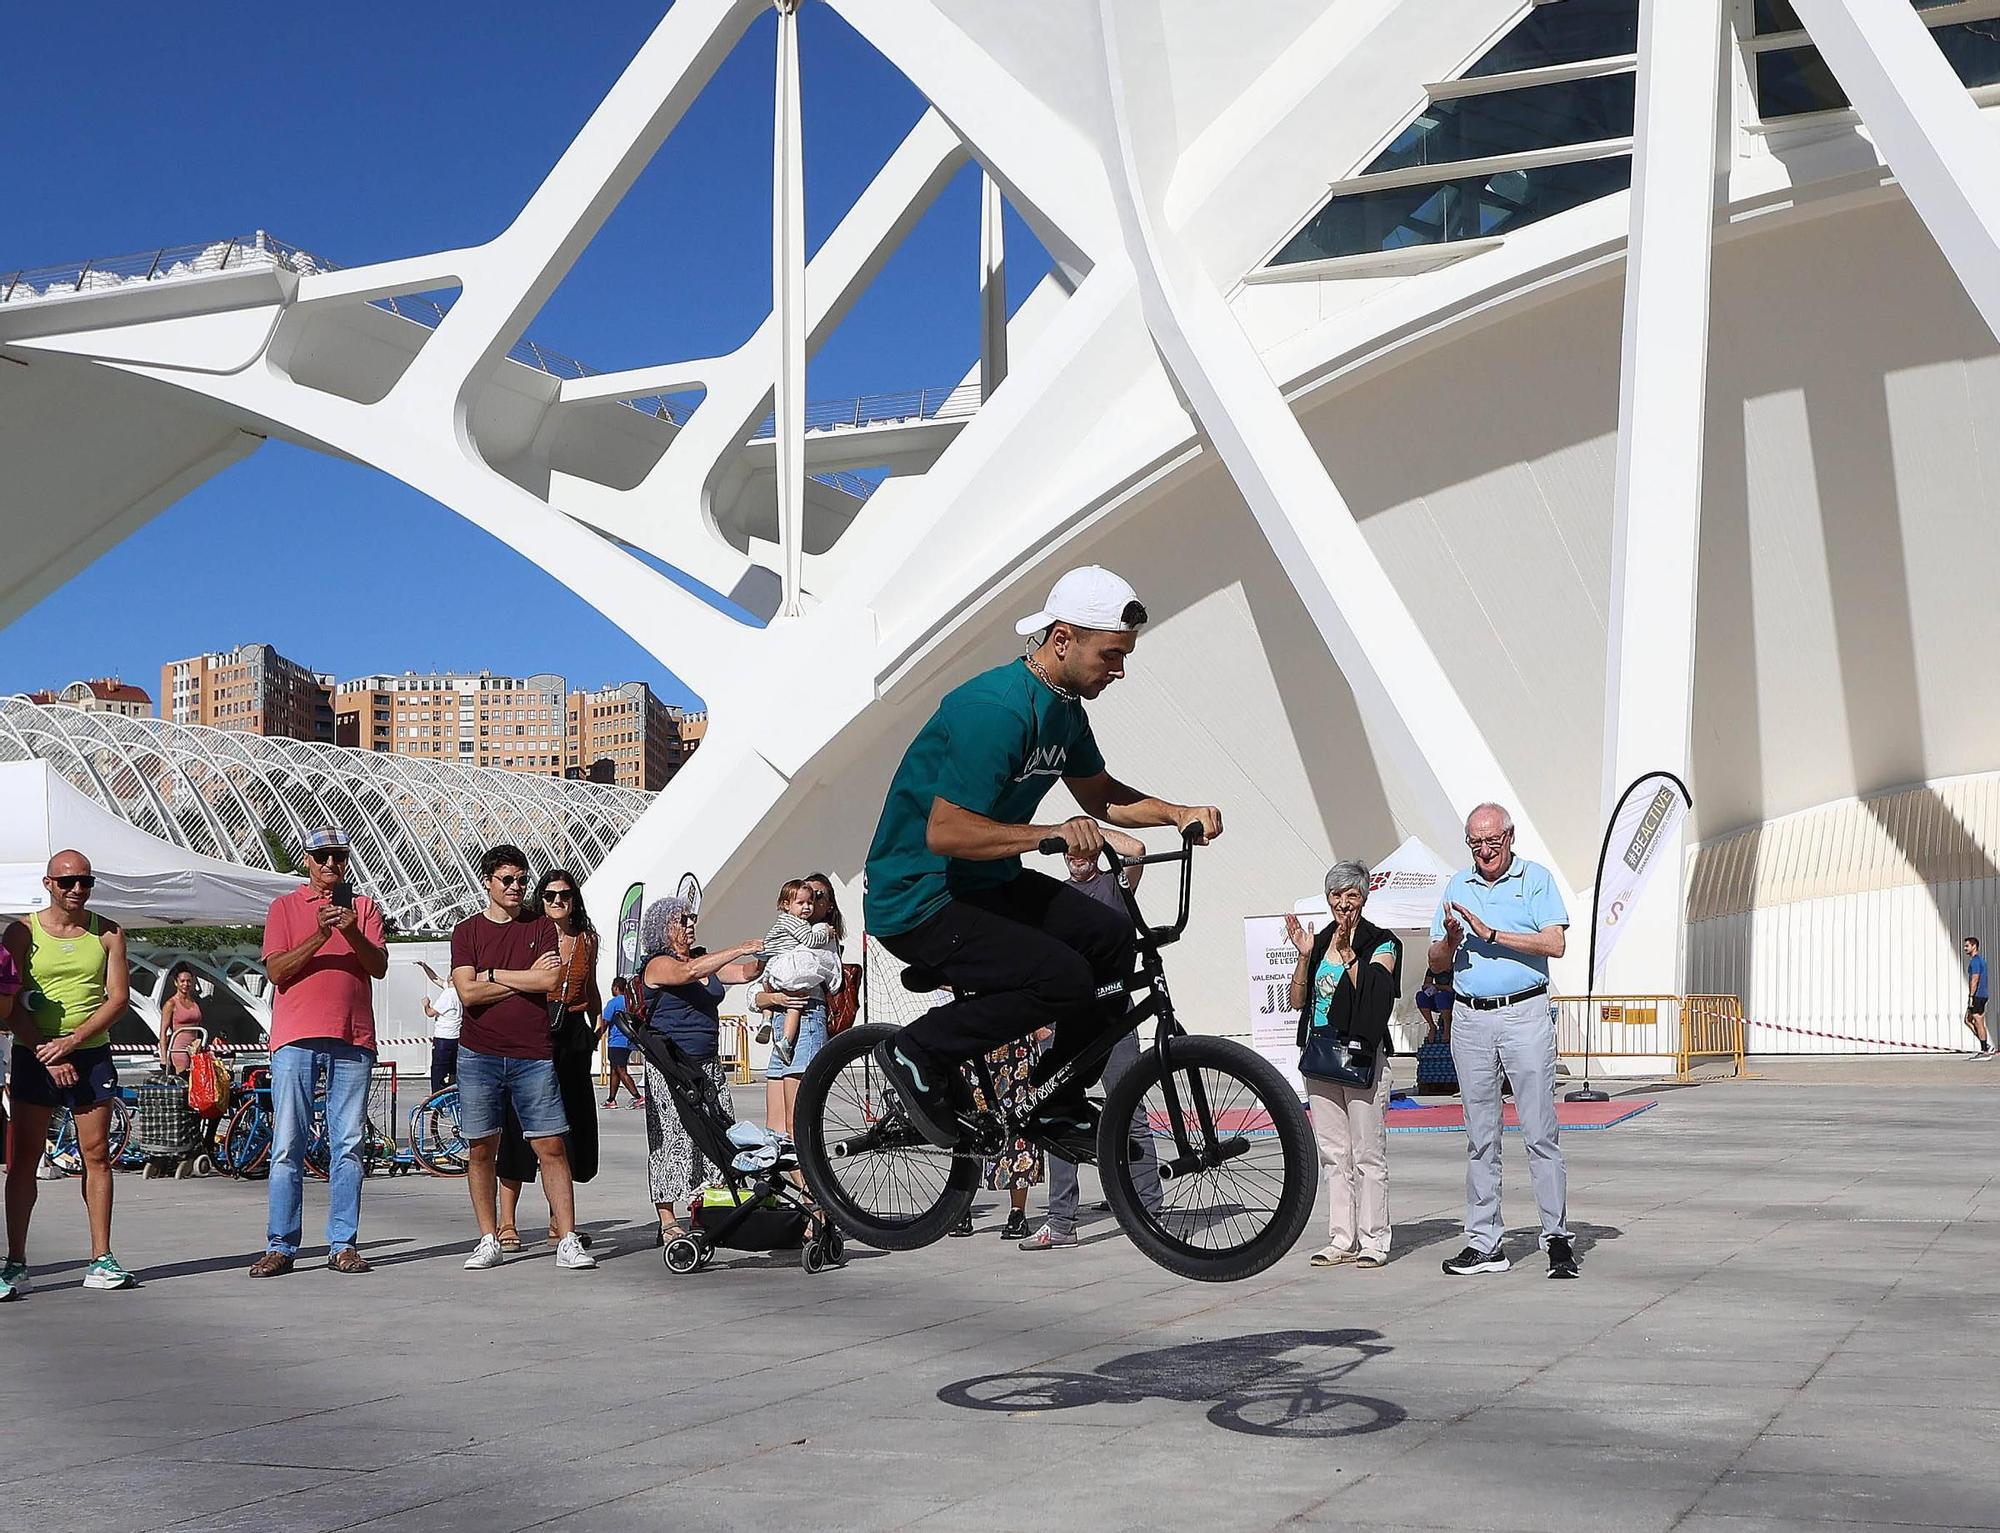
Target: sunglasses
(1487, 843)
(565, 895)
(73, 880)
(511, 881)
(328, 856)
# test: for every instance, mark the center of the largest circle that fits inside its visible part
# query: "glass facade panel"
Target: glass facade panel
(1795, 80)
(1513, 122)
(1565, 32)
(1361, 223)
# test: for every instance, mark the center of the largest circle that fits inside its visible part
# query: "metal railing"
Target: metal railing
(264, 251)
(1687, 1029)
(953, 403)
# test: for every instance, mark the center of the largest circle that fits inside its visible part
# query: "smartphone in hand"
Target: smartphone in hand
(342, 894)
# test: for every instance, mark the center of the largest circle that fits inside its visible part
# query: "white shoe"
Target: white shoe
(570, 1252)
(486, 1254)
(48, 1171)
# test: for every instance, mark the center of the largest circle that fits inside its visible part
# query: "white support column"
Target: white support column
(1656, 520)
(1402, 690)
(1941, 147)
(788, 305)
(992, 289)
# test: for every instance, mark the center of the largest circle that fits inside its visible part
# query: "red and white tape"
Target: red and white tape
(1887, 1043)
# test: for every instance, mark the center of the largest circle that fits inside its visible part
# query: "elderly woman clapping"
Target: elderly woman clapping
(682, 986)
(1345, 985)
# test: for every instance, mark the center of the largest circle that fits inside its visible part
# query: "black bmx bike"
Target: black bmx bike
(1235, 1154)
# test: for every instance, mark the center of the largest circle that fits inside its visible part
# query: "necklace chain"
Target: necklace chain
(1043, 677)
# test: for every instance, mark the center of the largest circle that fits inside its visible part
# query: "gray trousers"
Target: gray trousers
(1145, 1172)
(1522, 1038)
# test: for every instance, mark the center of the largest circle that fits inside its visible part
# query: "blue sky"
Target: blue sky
(369, 131)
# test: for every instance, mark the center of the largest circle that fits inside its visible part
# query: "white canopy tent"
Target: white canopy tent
(141, 880)
(1404, 889)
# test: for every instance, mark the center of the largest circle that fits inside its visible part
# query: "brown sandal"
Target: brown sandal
(347, 1259)
(510, 1239)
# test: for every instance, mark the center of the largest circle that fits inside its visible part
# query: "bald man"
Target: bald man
(73, 962)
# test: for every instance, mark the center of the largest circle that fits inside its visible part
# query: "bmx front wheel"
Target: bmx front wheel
(878, 1178)
(1234, 1153)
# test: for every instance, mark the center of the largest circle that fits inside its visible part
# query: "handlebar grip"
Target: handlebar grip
(1191, 832)
(1054, 846)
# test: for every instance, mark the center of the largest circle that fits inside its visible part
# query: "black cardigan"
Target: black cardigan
(1360, 1008)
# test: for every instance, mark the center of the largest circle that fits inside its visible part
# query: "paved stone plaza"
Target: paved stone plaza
(1788, 1317)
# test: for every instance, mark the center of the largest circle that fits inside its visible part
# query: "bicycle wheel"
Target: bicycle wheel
(60, 1149)
(119, 1130)
(880, 1180)
(1238, 1198)
(435, 1141)
(244, 1146)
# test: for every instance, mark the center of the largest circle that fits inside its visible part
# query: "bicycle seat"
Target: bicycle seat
(921, 981)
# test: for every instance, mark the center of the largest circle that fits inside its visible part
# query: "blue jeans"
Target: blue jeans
(294, 1069)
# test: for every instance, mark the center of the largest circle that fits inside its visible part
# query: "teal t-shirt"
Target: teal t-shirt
(1327, 980)
(996, 745)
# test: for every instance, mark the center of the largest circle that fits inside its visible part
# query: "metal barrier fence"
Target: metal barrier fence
(1670, 1031)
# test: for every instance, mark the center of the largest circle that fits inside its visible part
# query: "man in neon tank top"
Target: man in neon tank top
(73, 962)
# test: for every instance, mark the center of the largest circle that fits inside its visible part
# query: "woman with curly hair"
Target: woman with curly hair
(681, 987)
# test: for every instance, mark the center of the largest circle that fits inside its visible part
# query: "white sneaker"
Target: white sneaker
(486, 1254)
(570, 1252)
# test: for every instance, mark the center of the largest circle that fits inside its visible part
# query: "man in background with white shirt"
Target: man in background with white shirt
(447, 1014)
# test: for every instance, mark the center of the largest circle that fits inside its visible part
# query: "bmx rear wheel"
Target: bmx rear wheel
(1237, 1199)
(875, 1175)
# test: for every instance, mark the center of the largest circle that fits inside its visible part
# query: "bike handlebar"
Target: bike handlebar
(1191, 837)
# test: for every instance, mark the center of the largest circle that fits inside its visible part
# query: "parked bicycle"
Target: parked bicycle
(436, 1142)
(243, 1148)
(1236, 1160)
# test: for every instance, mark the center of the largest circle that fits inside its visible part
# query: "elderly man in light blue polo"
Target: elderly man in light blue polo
(1499, 924)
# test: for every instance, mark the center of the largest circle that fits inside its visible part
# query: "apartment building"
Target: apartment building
(518, 723)
(629, 727)
(102, 694)
(251, 688)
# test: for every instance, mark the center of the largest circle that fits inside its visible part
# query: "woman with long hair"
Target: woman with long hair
(781, 1078)
(559, 896)
(180, 1020)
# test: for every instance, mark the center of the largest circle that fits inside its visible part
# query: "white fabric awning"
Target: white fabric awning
(141, 880)
(1404, 889)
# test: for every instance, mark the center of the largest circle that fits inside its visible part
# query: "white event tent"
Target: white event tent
(141, 880)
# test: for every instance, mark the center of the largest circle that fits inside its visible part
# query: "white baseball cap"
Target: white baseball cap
(1090, 597)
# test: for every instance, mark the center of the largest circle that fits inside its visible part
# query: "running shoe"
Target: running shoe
(1472, 1260)
(1562, 1258)
(107, 1273)
(486, 1254)
(570, 1253)
(14, 1282)
(1016, 1227)
(1048, 1238)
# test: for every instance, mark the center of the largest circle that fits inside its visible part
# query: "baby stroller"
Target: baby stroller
(756, 1207)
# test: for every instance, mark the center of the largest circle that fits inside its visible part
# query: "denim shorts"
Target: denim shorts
(487, 1082)
(96, 1079)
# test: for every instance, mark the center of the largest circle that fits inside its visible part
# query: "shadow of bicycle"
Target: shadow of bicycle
(1270, 1384)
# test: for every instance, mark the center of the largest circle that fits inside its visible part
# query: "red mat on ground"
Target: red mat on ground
(1571, 1115)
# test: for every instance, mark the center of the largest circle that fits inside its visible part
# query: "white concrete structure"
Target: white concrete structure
(1339, 365)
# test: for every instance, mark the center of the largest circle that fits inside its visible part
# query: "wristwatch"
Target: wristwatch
(490, 979)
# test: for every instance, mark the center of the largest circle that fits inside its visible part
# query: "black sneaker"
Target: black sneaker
(1017, 1225)
(1472, 1260)
(925, 1089)
(1067, 1129)
(963, 1229)
(1562, 1260)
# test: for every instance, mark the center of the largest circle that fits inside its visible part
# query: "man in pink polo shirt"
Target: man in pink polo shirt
(322, 947)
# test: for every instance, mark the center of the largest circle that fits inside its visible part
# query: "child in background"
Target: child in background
(804, 962)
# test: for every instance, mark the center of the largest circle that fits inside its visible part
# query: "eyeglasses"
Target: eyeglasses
(333, 854)
(73, 880)
(513, 881)
(1488, 843)
(564, 895)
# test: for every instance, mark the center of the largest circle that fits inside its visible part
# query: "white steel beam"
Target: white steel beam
(1656, 519)
(788, 304)
(1943, 151)
(992, 289)
(1441, 755)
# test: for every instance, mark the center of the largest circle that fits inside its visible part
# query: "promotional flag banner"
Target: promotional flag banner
(1642, 828)
(629, 910)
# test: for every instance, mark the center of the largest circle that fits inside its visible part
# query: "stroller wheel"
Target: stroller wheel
(835, 1248)
(812, 1257)
(704, 1251)
(682, 1254)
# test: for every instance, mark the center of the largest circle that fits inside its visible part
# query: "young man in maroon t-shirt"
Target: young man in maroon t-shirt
(504, 970)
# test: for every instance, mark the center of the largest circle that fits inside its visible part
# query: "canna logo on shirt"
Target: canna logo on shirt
(1044, 761)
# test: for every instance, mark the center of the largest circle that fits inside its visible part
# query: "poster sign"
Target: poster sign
(1273, 1023)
